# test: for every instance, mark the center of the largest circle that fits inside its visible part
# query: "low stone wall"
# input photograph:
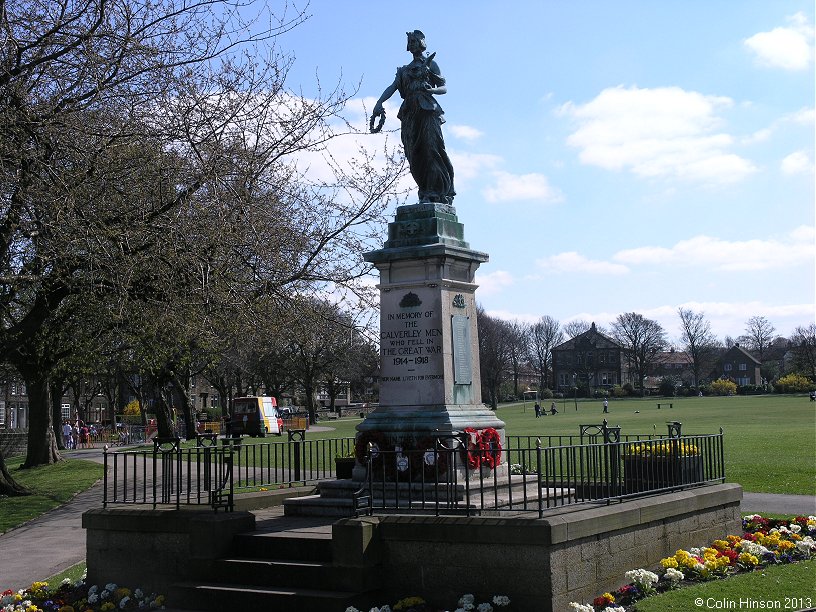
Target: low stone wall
(572, 554)
(541, 564)
(13, 442)
(153, 549)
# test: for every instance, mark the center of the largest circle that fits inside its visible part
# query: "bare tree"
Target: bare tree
(544, 335)
(495, 338)
(803, 346)
(575, 328)
(148, 155)
(518, 348)
(759, 336)
(697, 340)
(643, 338)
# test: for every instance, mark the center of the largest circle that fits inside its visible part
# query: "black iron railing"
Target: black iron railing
(527, 475)
(213, 470)
(456, 479)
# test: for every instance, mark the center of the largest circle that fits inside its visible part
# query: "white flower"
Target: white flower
(466, 599)
(581, 607)
(750, 517)
(93, 589)
(123, 602)
(674, 575)
(501, 600)
(105, 594)
(92, 598)
(642, 578)
(65, 581)
(138, 594)
(485, 607)
(795, 528)
(696, 552)
(111, 586)
(804, 547)
(352, 609)
(752, 548)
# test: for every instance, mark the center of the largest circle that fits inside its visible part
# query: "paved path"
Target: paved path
(55, 541)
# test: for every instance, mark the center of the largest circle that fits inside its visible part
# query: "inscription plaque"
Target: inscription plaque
(462, 360)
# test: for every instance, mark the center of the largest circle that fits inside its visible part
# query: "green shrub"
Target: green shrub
(617, 391)
(794, 383)
(723, 387)
(545, 393)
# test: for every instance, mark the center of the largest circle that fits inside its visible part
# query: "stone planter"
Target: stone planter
(343, 467)
(651, 473)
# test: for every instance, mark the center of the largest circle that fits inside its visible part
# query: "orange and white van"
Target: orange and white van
(256, 416)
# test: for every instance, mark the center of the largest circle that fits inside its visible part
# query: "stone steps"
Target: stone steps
(336, 497)
(277, 570)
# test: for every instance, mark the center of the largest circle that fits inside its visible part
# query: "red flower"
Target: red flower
(731, 554)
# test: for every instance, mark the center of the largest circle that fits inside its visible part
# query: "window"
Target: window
(602, 357)
(66, 412)
(589, 358)
(727, 367)
(743, 367)
(612, 357)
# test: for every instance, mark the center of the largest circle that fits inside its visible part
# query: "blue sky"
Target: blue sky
(611, 157)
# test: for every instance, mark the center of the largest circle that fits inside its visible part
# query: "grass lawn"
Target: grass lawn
(770, 440)
(52, 486)
(789, 587)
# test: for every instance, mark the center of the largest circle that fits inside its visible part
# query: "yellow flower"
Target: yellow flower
(748, 559)
(107, 606)
(733, 540)
(121, 592)
(785, 545)
(669, 562)
(609, 597)
(720, 545)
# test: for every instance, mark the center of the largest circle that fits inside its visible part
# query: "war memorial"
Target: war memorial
(432, 507)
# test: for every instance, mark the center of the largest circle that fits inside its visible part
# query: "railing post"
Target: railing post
(105, 477)
(296, 436)
(539, 478)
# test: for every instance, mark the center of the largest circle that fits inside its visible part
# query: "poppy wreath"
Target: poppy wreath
(432, 463)
(474, 455)
(490, 445)
(376, 438)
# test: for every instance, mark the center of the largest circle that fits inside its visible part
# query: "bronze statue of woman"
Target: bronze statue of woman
(422, 119)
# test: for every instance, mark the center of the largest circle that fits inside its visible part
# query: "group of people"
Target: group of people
(78, 435)
(539, 411)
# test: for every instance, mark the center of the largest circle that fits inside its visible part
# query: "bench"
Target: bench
(671, 405)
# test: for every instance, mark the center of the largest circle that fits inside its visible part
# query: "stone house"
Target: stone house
(590, 359)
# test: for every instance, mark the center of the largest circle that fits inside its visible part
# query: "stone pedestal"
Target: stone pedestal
(429, 340)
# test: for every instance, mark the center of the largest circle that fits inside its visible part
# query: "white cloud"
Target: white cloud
(506, 315)
(798, 162)
(512, 187)
(796, 248)
(493, 283)
(468, 166)
(789, 48)
(726, 318)
(804, 116)
(464, 132)
(572, 262)
(657, 133)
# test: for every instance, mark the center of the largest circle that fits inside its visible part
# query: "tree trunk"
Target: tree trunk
(42, 443)
(8, 486)
(56, 411)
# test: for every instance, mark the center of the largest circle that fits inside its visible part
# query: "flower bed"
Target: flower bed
(764, 542)
(466, 603)
(77, 597)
